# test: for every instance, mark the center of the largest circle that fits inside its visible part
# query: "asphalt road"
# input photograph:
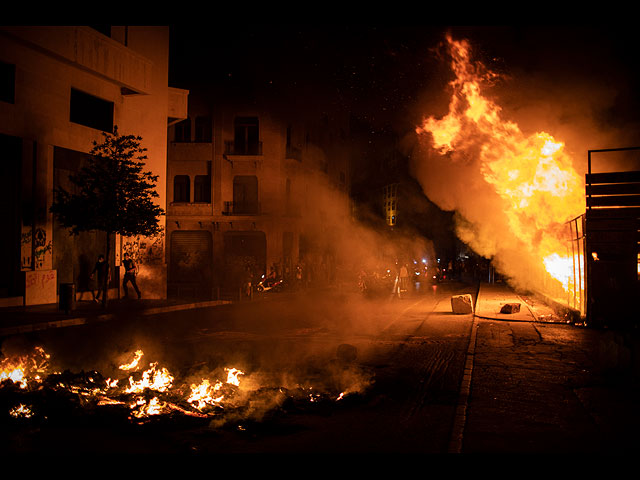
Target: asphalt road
(329, 372)
(321, 372)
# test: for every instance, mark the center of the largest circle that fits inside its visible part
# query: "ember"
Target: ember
(21, 411)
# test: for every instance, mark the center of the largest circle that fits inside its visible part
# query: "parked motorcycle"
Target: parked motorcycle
(270, 284)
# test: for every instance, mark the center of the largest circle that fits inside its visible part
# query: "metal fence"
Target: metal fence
(576, 295)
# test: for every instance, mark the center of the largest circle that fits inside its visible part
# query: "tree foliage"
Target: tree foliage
(114, 193)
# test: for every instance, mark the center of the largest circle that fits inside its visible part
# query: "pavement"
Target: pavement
(25, 319)
(536, 383)
(492, 297)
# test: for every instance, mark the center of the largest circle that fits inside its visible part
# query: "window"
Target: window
(203, 129)
(90, 111)
(245, 194)
(202, 188)
(182, 131)
(181, 189)
(246, 136)
(7, 82)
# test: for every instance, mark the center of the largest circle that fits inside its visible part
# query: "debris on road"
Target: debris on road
(510, 308)
(461, 304)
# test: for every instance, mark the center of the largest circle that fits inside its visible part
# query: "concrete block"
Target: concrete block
(461, 304)
(510, 308)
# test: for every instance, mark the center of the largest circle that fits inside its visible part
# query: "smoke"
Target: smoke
(455, 183)
(574, 108)
(353, 241)
(574, 82)
(582, 112)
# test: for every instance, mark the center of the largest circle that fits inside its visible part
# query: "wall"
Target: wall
(49, 62)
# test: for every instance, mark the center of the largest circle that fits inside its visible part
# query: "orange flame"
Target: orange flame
(134, 363)
(232, 376)
(205, 394)
(22, 369)
(158, 379)
(532, 174)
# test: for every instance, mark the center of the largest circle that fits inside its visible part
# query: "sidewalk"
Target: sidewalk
(493, 296)
(17, 320)
(541, 386)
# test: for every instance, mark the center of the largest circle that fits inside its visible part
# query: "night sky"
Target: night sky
(387, 74)
(372, 71)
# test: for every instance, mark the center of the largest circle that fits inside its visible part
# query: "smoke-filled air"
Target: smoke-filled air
(512, 192)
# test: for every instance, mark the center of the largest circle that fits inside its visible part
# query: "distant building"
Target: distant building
(250, 190)
(407, 213)
(390, 203)
(60, 88)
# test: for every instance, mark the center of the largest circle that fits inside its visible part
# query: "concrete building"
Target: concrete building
(248, 190)
(61, 87)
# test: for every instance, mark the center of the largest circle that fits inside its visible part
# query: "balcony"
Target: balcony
(89, 50)
(178, 104)
(241, 208)
(243, 149)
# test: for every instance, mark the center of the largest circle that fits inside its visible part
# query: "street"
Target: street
(397, 362)
(322, 372)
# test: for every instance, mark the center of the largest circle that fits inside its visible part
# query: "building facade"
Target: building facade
(250, 191)
(62, 87)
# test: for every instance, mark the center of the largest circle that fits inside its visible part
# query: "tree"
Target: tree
(114, 194)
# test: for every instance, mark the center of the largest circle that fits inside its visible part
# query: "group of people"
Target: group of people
(292, 279)
(102, 271)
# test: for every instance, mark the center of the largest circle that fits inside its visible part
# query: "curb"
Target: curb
(460, 416)
(83, 320)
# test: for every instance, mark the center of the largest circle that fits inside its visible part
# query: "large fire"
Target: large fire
(532, 174)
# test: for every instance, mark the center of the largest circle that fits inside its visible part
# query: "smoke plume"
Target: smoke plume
(509, 157)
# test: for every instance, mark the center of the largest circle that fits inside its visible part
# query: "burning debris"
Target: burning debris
(30, 391)
(21, 368)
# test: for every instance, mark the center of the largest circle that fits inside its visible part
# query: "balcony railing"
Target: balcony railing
(250, 149)
(241, 208)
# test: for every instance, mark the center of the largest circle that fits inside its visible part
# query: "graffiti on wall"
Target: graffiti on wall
(25, 248)
(34, 244)
(145, 250)
(40, 287)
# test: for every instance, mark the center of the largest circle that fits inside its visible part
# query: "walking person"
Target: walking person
(298, 277)
(130, 272)
(404, 279)
(102, 269)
